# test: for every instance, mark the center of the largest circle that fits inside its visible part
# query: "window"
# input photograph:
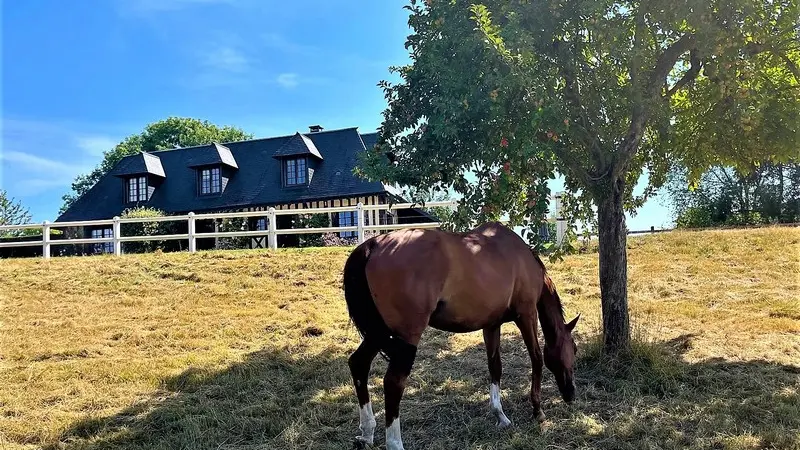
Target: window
(262, 224)
(296, 171)
(348, 219)
(210, 181)
(105, 247)
(137, 189)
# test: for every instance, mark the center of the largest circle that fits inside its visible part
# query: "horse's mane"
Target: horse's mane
(551, 286)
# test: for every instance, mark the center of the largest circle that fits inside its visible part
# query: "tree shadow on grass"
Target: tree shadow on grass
(276, 400)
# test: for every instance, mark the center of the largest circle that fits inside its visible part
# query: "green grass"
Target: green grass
(248, 350)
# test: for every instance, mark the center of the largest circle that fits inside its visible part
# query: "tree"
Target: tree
(726, 196)
(165, 134)
(501, 95)
(12, 212)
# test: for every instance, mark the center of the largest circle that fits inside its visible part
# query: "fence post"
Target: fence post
(116, 234)
(360, 220)
(190, 229)
(46, 239)
(272, 227)
(561, 224)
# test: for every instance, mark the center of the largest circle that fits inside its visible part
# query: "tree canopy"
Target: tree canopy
(513, 92)
(165, 134)
(12, 212)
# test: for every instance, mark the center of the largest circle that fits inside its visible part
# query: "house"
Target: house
(303, 170)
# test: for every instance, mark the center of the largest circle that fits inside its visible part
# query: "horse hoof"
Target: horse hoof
(540, 417)
(501, 424)
(359, 443)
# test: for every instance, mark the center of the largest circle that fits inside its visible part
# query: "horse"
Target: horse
(398, 284)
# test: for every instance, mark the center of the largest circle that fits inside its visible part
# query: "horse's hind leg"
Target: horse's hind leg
(360, 362)
(401, 358)
(491, 337)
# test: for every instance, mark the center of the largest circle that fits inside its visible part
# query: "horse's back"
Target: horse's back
(458, 281)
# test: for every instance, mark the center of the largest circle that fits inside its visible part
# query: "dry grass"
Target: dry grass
(248, 350)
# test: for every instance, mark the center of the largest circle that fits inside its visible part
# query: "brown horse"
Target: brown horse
(398, 284)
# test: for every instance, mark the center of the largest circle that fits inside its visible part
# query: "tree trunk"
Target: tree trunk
(613, 269)
(780, 192)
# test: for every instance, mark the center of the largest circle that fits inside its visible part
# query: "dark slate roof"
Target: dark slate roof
(213, 153)
(140, 164)
(298, 145)
(370, 139)
(257, 182)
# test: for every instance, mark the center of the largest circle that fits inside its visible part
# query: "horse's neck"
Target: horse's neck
(550, 316)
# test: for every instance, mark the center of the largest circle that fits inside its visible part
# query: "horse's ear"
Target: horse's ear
(573, 322)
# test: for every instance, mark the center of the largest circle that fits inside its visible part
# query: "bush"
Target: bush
(747, 218)
(233, 243)
(694, 217)
(334, 240)
(144, 229)
(311, 221)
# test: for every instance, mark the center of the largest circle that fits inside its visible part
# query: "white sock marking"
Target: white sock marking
(393, 439)
(367, 423)
(497, 408)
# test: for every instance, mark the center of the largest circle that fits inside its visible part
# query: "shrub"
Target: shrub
(233, 243)
(311, 221)
(694, 217)
(144, 229)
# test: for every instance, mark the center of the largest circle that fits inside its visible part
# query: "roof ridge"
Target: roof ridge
(258, 139)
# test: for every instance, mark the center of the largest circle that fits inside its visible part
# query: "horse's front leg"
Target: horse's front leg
(401, 357)
(491, 337)
(527, 327)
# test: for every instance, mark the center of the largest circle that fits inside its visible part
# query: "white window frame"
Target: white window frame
(210, 181)
(136, 189)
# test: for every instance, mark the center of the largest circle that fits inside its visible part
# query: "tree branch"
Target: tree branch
(640, 112)
(573, 98)
(689, 76)
(667, 61)
(754, 48)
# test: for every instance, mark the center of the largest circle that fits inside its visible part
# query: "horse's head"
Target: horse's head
(560, 360)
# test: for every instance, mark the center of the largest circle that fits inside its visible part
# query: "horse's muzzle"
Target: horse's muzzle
(568, 393)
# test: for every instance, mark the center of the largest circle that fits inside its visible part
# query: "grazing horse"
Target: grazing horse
(398, 284)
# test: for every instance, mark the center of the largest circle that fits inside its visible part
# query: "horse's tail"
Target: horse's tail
(360, 303)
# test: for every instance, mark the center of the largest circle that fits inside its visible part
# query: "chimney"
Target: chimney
(315, 128)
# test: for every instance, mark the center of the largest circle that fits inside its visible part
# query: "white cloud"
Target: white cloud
(95, 145)
(227, 59)
(35, 174)
(279, 42)
(288, 80)
(35, 163)
(44, 157)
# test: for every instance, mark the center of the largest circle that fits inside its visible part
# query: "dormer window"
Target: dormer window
(210, 181)
(296, 171)
(137, 189)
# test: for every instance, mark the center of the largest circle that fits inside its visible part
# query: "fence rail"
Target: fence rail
(272, 232)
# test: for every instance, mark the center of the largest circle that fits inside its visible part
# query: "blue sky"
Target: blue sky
(78, 77)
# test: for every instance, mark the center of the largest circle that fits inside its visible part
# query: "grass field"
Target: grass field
(248, 349)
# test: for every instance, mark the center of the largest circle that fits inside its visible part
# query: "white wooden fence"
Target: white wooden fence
(272, 232)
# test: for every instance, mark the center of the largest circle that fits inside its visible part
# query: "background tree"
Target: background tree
(12, 212)
(165, 134)
(769, 193)
(501, 95)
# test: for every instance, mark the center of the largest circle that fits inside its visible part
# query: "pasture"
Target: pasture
(248, 350)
